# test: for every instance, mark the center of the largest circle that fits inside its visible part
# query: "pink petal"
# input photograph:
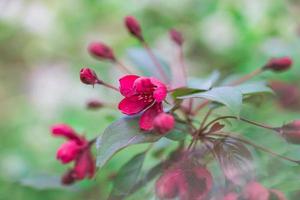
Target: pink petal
(126, 85)
(84, 166)
(143, 85)
(147, 118)
(160, 92)
(132, 105)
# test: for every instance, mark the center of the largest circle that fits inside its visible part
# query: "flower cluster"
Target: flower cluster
(157, 109)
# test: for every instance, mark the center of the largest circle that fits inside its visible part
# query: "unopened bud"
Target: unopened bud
(94, 104)
(279, 64)
(255, 191)
(163, 123)
(88, 76)
(101, 51)
(68, 178)
(133, 26)
(291, 132)
(176, 37)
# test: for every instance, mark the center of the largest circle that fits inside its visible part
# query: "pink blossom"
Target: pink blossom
(279, 64)
(76, 149)
(68, 151)
(255, 191)
(142, 94)
(133, 26)
(88, 76)
(176, 36)
(163, 123)
(101, 51)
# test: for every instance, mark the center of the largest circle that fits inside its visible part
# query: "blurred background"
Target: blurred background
(43, 46)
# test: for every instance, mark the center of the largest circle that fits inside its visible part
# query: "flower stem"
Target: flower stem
(123, 67)
(259, 148)
(109, 86)
(183, 66)
(241, 119)
(155, 61)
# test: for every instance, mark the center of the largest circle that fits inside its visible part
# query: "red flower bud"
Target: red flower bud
(255, 191)
(94, 104)
(101, 51)
(68, 178)
(133, 27)
(68, 151)
(171, 184)
(231, 196)
(277, 195)
(88, 76)
(64, 131)
(84, 166)
(291, 132)
(176, 37)
(279, 64)
(163, 123)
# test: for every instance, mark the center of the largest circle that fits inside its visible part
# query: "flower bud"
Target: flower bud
(85, 165)
(68, 178)
(291, 132)
(88, 76)
(176, 37)
(65, 131)
(231, 196)
(255, 191)
(163, 123)
(94, 104)
(133, 27)
(279, 64)
(101, 51)
(277, 195)
(68, 151)
(171, 184)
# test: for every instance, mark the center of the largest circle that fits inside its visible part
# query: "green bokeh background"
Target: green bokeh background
(43, 46)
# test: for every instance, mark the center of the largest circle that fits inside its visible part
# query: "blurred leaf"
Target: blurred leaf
(178, 133)
(235, 160)
(44, 182)
(229, 96)
(204, 83)
(254, 88)
(144, 63)
(127, 176)
(120, 134)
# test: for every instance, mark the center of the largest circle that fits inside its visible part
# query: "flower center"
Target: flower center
(146, 97)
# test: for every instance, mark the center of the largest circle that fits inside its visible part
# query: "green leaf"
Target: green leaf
(204, 83)
(229, 96)
(128, 175)
(254, 88)
(183, 91)
(120, 134)
(143, 62)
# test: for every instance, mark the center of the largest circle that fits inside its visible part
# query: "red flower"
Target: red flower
(291, 132)
(255, 191)
(88, 76)
(163, 123)
(101, 51)
(76, 149)
(142, 94)
(279, 64)
(133, 26)
(176, 36)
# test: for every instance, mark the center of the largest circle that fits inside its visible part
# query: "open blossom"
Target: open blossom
(194, 183)
(142, 94)
(76, 149)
